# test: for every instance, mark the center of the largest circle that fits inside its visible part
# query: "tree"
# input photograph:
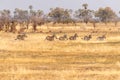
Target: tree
(105, 14)
(60, 15)
(30, 7)
(5, 17)
(85, 6)
(21, 15)
(35, 17)
(66, 18)
(84, 14)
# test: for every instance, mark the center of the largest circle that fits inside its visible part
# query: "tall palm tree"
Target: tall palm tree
(85, 5)
(30, 7)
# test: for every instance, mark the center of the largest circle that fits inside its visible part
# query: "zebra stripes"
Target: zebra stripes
(73, 37)
(101, 38)
(64, 37)
(21, 36)
(51, 38)
(87, 38)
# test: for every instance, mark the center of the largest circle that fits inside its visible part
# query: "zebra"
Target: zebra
(51, 38)
(64, 37)
(73, 37)
(87, 38)
(21, 36)
(101, 38)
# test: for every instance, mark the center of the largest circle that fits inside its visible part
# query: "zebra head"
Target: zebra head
(76, 35)
(90, 36)
(104, 36)
(54, 36)
(65, 36)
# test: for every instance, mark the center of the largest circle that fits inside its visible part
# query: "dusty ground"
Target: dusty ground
(38, 59)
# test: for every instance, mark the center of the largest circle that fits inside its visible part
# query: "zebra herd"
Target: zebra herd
(74, 37)
(61, 38)
(64, 37)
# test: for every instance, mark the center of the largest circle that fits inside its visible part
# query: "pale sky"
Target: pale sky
(45, 5)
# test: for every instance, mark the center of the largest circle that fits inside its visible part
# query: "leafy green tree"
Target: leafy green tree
(84, 14)
(20, 15)
(60, 15)
(105, 14)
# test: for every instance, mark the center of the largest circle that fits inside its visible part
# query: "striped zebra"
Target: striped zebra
(73, 37)
(21, 36)
(64, 37)
(87, 38)
(51, 38)
(101, 38)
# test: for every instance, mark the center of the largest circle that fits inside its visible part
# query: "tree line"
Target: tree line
(8, 21)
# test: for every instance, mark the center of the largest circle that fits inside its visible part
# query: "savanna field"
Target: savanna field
(38, 59)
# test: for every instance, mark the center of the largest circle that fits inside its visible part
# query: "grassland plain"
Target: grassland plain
(38, 59)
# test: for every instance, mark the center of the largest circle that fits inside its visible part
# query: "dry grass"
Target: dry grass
(38, 59)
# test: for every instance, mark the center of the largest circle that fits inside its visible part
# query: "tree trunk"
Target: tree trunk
(13, 28)
(34, 27)
(116, 23)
